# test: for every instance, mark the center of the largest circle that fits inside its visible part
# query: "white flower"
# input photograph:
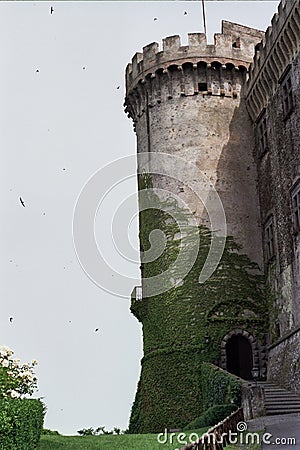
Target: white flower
(14, 394)
(5, 363)
(6, 351)
(27, 375)
(16, 362)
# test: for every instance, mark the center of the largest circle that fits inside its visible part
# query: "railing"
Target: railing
(217, 437)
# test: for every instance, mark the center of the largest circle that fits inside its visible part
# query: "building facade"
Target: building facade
(273, 101)
(235, 119)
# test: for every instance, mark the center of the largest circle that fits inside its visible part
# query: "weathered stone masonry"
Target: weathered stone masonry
(273, 99)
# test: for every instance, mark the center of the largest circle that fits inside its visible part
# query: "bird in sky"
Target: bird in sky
(11, 319)
(83, 68)
(51, 10)
(185, 13)
(118, 87)
(37, 70)
(97, 329)
(155, 18)
(22, 202)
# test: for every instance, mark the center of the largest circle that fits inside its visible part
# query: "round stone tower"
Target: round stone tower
(187, 101)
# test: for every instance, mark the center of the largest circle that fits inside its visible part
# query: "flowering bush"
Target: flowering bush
(16, 379)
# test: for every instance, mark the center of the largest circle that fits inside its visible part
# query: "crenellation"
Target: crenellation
(171, 44)
(197, 40)
(277, 41)
(230, 46)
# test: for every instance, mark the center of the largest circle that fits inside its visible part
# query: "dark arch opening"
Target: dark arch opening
(239, 357)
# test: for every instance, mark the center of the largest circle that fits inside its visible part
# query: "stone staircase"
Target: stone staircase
(279, 400)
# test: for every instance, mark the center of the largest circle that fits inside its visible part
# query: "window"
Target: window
(262, 135)
(202, 87)
(269, 239)
(287, 96)
(237, 43)
(296, 207)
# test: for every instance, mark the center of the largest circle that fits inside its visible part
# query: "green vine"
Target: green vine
(184, 326)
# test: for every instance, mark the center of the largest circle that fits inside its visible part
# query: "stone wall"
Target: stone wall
(278, 167)
(284, 362)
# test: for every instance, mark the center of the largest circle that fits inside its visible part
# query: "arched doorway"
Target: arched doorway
(239, 356)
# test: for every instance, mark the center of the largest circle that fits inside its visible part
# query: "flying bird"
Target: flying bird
(37, 70)
(155, 18)
(185, 13)
(118, 87)
(22, 202)
(97, 329)
(51, 10)
(83, 68)
(11, 319)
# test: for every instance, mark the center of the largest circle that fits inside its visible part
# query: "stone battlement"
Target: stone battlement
(279, 46)
(235, 45)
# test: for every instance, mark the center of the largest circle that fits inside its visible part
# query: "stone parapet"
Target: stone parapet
(235, 45)
(272, 56)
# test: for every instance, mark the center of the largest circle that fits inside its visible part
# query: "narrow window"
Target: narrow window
(269, 239)
(262, 136)
(296, 207)
(237, 43)
(287, 96)
(202, 87)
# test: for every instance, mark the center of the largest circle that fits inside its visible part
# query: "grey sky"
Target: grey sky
(69, 115)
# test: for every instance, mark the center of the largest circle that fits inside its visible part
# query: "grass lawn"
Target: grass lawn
(124, 442)
(111, 442)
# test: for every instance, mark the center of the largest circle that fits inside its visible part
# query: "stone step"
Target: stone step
(283, 410)
(279, 400)
(285, 401)
(281, 396)
(275, 412)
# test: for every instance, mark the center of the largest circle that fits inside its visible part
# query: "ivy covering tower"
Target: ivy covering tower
(188, 102)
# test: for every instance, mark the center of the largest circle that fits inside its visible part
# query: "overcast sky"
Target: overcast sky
(61, 120)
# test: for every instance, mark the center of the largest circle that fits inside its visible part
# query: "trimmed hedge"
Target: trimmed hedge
(219, 387)
(21, 423)
(211, 417)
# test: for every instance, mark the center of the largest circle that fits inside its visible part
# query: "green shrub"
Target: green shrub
(21, 423)
(219, 387)
(212, 416)
(50, 432)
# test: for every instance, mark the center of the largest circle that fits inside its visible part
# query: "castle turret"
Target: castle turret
(188, 102)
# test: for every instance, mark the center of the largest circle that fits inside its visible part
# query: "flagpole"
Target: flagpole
(204, 19)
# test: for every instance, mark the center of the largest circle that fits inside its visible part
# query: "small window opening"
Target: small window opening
(269, 239)
(202, 87)
(237, 43)
(287, 95)
(263, 136)
(296, 207)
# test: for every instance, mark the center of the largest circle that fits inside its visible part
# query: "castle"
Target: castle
(231, 110)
